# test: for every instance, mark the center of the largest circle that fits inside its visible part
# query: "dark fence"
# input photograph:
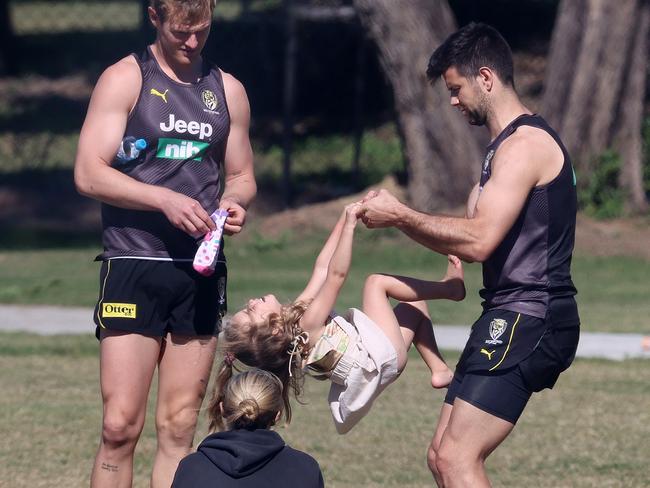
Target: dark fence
(68, 43)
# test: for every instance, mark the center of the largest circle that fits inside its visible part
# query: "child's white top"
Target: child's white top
(363, 368)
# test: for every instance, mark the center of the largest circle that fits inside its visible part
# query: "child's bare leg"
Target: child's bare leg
(415, 323)
(377, 307)
(403, 331)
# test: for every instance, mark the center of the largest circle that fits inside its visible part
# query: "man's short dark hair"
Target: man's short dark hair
(469, 49)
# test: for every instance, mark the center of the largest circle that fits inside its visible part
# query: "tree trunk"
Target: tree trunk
(595, 85)
(628, 138)
(442, 152)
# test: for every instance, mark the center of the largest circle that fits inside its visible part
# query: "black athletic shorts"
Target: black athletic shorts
(515, 353)
(503, 395)
(156, 297)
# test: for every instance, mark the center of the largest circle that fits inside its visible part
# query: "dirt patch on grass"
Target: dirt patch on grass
(319, 216)
(52, 204)
(620, 237)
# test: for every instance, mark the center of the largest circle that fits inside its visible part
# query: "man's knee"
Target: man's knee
(454, 461)
(177, 428)
(120, 431)
(432, 457)
(444, 464)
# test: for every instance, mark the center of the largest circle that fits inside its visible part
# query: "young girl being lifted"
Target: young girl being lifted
(361, 353)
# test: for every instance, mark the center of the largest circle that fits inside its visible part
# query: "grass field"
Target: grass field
(612, 295)
(591, 430)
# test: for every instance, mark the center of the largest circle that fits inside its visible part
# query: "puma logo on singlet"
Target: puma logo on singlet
(158, 94)
(488, 353)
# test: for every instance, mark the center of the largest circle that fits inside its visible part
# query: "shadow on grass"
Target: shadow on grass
(16, 238)
(40, 209)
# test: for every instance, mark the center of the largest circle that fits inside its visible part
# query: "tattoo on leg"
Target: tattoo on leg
(110, 467)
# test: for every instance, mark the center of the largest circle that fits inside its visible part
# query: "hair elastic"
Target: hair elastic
(297, 346)
(229, 358)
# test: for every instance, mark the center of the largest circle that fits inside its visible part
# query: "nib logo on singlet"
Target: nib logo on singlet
(181, 149)
(169, 148)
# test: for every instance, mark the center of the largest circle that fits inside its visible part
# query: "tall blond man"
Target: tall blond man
(153, 309)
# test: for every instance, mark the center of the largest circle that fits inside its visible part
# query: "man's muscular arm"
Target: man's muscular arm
(518, 166)
(472, 200)
(113, 98)
(240, 187)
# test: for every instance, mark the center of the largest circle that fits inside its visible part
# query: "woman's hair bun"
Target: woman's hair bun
(249, 409)
(251, 399)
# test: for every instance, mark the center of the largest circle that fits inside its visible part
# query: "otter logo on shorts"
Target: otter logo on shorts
(119, 310)
(209, 99)
(497, 328)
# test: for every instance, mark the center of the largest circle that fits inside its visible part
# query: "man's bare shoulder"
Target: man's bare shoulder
(533, 150)
(123, 74)
(232, 86)
(119, 85)
(528, 143)
(236, 98)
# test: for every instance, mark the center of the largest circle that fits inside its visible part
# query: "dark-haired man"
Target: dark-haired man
(520, 224)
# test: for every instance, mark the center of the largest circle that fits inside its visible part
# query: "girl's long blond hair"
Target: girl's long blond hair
(268, 346)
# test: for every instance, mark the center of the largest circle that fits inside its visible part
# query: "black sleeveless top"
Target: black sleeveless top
(532, 264)
(186, 127)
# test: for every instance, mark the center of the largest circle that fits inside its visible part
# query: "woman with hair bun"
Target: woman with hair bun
(242, 451)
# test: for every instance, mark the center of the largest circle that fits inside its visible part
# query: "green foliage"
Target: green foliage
(326, 162)
(63, 16)
(601, 197)
(37, 17)
(40, 150)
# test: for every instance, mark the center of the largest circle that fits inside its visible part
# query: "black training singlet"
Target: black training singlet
(186, 127)
(532, 264)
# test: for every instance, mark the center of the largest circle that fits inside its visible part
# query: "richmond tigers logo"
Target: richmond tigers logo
(209, 99)
(497, 328)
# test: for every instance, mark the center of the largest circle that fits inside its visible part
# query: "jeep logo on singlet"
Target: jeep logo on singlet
(192, 127)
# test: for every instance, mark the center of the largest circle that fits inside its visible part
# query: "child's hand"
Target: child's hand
(352, 212)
